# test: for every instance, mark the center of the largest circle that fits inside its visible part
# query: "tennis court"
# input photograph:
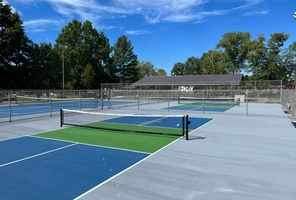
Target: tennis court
(24, 108)
(66, 163)
(206, 106)
(35, 168)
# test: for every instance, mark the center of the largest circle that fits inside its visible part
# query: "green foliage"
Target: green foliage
(125, 61)
(44, 71)
(190, 67)
(266, 59)
(178, 70)
(87, 76)
(85, 51)
(89, 60)
(289, 63)
(213, 62)
(236, 52)
(145, 68)
(15, 49)
(160, 72)
(236, 46)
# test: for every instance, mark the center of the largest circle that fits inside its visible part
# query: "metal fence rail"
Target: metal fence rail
(19, 104)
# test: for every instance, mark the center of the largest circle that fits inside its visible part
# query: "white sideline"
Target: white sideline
(40, 154)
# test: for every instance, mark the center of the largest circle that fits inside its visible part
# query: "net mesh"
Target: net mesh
(70, 103)
(208, 102)
(173, 125)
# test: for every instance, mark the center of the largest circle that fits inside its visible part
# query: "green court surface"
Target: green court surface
(117, 139)
(209, 105)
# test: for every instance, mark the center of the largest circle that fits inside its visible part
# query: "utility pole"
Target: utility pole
(63, 65)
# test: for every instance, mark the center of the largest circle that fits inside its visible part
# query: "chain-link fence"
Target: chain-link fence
(209, 85)
(289, 102)
(18, 104)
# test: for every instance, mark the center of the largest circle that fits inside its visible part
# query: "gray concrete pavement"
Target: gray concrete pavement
(234, 157)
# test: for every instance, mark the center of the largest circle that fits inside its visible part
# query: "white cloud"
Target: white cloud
(41, 22)
(160, 5)
(153, 11)
(197, 17)
(253, 13)
(38, 30)
(248, 4)
(162, 10)
(136, 32)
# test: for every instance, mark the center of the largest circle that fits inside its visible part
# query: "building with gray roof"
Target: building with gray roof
(174, 82)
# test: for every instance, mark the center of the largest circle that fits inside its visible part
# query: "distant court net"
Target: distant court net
(208, 102)
(70, 103)
(171, 125)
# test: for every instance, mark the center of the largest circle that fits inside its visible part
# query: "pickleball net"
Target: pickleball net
(171, 125)
(208, 102)
(69, 103)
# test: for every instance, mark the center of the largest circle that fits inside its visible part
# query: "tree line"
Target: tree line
(238, 52)
(82, 58)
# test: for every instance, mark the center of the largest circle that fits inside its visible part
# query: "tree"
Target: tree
(125, 61)
(87, 76)
(192, 66)
(145, 68)
(289, 63)
(275, 67)
(45, 68)
(213, 62)
(84, 51)
(178, 70)
(160, 72)
(15, 49)
(236, 47)
(265, 60)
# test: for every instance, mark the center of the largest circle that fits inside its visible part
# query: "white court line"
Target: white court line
(137, 163)
(40, 154)
(151, 121)
(92, 145)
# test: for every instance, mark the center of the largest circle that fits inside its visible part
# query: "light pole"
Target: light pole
(63, 65)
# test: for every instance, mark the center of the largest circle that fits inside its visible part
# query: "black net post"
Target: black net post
(61, 117)
(187, 124)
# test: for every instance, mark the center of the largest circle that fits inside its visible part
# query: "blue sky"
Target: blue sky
(163, 32)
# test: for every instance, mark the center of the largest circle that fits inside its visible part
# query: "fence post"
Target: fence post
(50, 105)
(247, 102)
(9, 106)
(168, 101)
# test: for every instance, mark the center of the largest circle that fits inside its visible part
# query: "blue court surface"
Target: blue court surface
(40, 108)
(167, 122)
(36, 168)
